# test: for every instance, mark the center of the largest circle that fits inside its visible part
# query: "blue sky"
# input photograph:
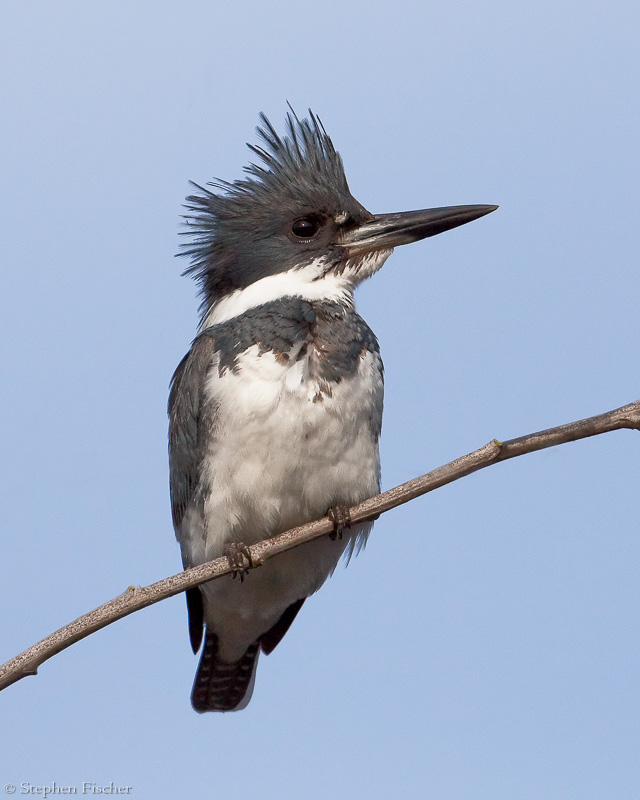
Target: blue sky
(485, 645)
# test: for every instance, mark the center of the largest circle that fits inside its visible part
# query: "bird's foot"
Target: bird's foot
(240, 559)
(341, 519)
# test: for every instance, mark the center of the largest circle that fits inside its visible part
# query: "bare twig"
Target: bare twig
(133, 599)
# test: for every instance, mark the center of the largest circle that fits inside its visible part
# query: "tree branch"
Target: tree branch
(133, 599)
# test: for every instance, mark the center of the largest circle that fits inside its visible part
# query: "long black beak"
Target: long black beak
(386, 231)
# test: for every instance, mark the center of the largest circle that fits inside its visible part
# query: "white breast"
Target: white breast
(283, 451)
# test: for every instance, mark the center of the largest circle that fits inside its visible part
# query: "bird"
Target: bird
(275, 411)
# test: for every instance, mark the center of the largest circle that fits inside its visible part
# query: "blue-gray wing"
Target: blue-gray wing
(190, 421)
(189, 424)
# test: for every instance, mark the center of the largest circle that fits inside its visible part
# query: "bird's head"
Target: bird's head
(294, 216)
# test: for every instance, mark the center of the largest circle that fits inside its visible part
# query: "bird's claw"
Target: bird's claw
(341, 519)
(240, 559)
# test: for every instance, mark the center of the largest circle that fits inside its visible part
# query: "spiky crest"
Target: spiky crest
(297, 173)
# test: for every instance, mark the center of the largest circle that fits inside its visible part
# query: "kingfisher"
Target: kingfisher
(275, 412)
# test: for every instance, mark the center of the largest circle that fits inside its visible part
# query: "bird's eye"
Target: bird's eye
(305, 228)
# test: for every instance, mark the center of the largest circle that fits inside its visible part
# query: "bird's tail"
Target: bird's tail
(220, 686)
